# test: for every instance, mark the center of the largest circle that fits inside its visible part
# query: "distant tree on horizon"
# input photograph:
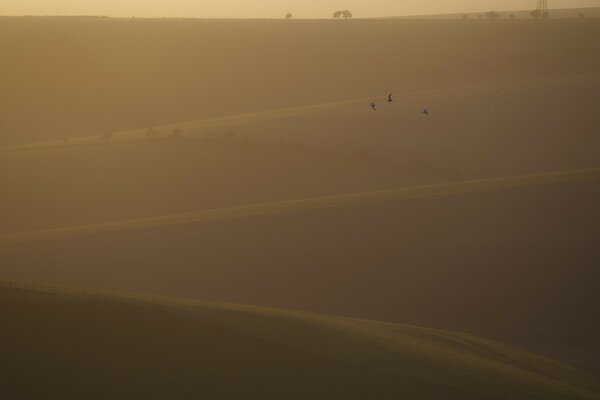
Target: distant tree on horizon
(492, 15)
(289, 16)
(537, 14)
(346, 14)
(337, 14)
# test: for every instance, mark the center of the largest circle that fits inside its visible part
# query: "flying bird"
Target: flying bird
(374, 106)
(390, 98)
(426, 111)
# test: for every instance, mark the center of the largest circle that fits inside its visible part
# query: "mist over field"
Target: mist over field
(341, 207)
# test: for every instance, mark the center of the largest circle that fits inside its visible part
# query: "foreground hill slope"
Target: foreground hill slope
(506, 264)
(73, 344)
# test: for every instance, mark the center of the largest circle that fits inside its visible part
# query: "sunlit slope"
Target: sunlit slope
(470, 129)
(77, 76)
(517, 265)
(336, 148)
(64, 344)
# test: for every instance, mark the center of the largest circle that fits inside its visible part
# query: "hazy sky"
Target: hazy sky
(266, 8)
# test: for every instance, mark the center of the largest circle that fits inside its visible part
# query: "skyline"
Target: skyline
(267, 8)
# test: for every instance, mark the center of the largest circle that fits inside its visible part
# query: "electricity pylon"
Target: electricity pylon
(542, 8)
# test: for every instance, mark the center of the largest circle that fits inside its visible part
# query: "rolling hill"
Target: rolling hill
(268, 180)
(309, 204)
(66, 343)
(510, 265)
(478, 132)
(120, 74)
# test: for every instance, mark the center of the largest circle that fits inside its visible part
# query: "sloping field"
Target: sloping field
(45, 189)
(480, 132)
(451, 221)
(80, 344)
(512, 265)
(92, 81)
(295, 206)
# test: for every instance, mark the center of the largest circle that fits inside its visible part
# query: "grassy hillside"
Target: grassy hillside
(317, 203)
(104, 183)
(510, 265)
(78, 76)
(98, 345)
(477, 132)
(267, 179)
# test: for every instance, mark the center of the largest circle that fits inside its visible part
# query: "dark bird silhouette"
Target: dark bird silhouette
(426, 111)
(390, 98)
(374, 106)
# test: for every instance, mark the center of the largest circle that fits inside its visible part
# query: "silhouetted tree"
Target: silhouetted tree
(346, 14)
(289, 16)
(337, 14)
(492, 15)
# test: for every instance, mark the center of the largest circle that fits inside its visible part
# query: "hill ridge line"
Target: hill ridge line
(233, 120)
(310, 204)
(252, 117)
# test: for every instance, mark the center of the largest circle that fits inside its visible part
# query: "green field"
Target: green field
(70, 343)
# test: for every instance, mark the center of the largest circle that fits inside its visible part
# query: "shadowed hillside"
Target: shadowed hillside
(510, 265)
(98, 345)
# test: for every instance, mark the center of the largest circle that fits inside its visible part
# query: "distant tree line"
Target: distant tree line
(537, 14)
(492, 15)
